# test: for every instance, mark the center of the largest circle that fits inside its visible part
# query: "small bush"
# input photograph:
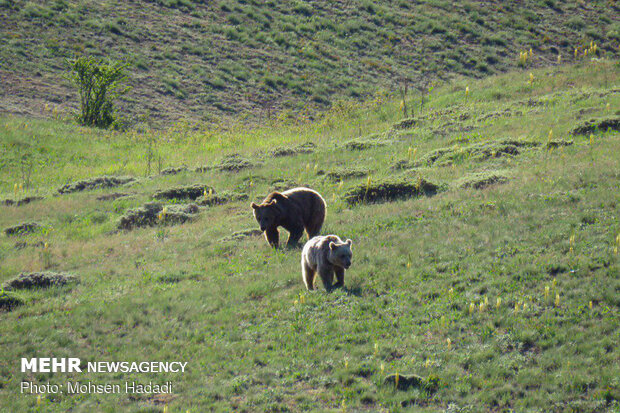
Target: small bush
(576, 23)
(99, 85)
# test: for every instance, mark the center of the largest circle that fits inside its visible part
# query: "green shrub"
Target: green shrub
(99, 83)
(576, 23)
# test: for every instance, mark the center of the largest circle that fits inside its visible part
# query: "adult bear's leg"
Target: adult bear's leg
(315, 223)
(295, 234)
(273, 237)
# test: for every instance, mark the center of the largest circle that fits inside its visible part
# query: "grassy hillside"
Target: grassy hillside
(501, 291)
(193, 59)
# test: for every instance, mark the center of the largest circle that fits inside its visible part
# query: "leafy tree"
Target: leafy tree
(99, 83)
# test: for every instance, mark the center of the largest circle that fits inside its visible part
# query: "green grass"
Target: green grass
(232, 308)
(202, 60)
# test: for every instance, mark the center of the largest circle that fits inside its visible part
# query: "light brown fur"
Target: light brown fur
(295, 210)
(328, 256)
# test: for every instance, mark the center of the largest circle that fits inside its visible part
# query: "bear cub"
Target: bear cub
(328, 255)
(294, 210)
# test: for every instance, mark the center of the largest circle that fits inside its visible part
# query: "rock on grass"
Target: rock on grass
(386, 191)
(27, 281)
(22, 229)
(481, 180)
(94, 183)
(10, 300)
(183, 192)
(149, 215)
(594, 125)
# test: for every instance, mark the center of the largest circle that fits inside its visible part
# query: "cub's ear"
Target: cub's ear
(332, 245)
(349, 242)
(272, 202)
(254, 206)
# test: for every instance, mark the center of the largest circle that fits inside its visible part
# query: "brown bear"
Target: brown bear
(295, 210)
(327, 255)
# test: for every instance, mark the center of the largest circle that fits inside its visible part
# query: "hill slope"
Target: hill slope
(200, 60)
(501, 290)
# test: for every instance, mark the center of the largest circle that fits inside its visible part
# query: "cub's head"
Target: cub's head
(341, 254)
(266, 214)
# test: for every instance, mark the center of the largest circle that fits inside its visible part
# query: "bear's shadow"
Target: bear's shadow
(354, 291)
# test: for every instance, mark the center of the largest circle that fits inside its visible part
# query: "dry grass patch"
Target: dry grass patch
(386, 191)
(183, 192)
(28, 281)
(22, 229)
(21, 201)
(347, 173)
(307, 147)
(95, 183)
(153, 213)
(221, 198)
(594, 125)
(10, 300)
(481, 180)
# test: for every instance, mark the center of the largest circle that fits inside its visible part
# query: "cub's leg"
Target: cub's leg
(273, 237)
(339, 277)
(327, 276)
(308, 275)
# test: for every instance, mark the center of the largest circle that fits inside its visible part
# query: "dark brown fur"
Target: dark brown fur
(295, 210)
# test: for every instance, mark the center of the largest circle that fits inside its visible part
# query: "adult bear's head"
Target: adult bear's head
(266, 214)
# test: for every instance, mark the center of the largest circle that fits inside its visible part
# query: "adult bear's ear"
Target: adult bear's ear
(349, 242)
(332, 245)
(273, 202)
(254, 206)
